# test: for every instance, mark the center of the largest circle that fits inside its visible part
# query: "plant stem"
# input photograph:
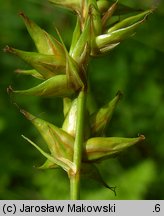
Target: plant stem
(78, 147)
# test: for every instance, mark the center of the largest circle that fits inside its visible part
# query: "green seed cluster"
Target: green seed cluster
(63, 73)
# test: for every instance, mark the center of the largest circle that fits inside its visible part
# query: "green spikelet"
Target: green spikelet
(103, 147)
(53, 87)
(100, 119)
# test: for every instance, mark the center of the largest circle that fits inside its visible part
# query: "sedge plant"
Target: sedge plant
(80, 142)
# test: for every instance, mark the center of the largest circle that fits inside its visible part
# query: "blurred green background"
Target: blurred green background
(135, 67)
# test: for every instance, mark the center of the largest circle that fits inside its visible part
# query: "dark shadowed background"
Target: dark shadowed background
(135, 67)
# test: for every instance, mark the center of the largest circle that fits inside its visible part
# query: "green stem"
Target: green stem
(78, 147)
